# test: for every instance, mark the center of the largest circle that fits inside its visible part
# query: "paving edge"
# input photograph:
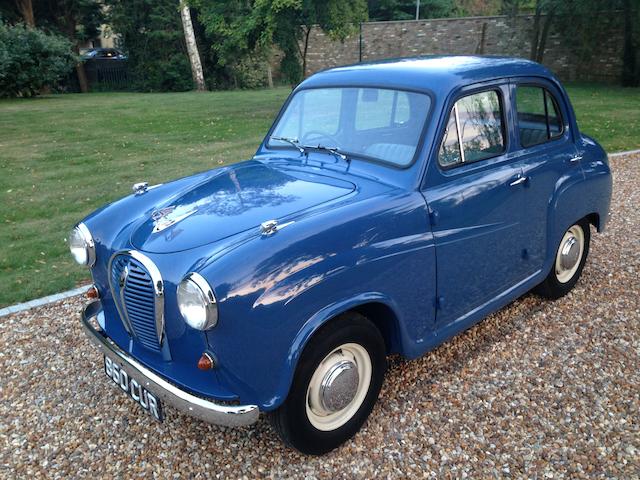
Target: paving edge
(622, 154)
(38, 302)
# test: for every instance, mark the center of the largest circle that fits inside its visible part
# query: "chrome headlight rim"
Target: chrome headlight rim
(208, 298)
(88, 244)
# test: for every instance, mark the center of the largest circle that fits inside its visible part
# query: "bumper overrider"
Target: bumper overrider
(203, 409)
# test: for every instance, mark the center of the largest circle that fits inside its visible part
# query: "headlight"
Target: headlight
(197, 302)
(81, 245)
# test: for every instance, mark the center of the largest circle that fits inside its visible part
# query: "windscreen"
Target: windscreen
(368, 123)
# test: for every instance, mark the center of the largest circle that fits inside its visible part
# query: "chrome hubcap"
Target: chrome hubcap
(339, 386)
(569, 254)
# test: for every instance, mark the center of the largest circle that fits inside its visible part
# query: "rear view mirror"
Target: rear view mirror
(370, 95)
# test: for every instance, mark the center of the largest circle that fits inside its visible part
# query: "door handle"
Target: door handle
(518, 181)
(575, 159)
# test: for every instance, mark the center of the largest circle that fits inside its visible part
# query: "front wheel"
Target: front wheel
(568, 263)
(335, 386)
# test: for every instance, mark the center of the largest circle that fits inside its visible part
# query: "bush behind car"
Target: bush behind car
(31, 59)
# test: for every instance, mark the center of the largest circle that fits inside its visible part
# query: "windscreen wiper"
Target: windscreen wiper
(291, 141)
(335, 151)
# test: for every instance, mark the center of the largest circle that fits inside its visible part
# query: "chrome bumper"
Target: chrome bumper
(211, 412)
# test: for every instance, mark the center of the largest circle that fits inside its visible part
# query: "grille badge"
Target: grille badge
(167, 216)
(122, 281)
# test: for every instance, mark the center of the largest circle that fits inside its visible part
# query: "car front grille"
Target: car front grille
(133, 291)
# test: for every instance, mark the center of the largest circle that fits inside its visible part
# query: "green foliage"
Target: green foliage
(154, 40)
(287, 23)
(78, 20)
(383, 10)
(230, 52)
(31, 59)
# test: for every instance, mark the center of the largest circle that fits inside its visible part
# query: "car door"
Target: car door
(545, 147)
(475, 197)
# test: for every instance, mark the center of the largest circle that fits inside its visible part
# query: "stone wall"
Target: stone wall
(498, 35)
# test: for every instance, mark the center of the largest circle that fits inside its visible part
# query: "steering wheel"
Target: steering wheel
(333, 142)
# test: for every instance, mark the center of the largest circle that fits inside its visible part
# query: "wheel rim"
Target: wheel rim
(338, 387)
(569, 254)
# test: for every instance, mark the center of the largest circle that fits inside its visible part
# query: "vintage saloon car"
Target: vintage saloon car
(390, 206)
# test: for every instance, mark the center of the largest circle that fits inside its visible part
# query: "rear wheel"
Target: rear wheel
(335, 387)
(570, 258)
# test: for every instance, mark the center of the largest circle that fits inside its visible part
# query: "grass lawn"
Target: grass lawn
(63, 156)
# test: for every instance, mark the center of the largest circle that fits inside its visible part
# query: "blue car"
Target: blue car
(390, 206)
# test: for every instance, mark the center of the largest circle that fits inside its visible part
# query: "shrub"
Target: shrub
(31, 59)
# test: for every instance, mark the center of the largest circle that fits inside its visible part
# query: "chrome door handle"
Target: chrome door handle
(518, 181)
(575, 159)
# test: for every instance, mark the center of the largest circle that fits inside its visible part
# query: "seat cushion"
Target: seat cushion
(397, 153)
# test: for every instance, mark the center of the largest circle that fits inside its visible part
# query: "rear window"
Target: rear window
(539, 117)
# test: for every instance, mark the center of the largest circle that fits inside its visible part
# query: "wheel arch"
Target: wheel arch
(377, 307)
(594, 219)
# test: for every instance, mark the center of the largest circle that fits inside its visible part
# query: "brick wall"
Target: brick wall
(502, 36)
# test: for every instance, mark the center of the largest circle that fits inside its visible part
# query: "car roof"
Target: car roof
(435, 73)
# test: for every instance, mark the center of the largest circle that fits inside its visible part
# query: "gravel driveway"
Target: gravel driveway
(539, 389)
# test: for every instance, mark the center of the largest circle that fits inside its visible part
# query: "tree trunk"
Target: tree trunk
(630, 74)
(82, 77)
(269, 74)
(542, 42)
(483, 37)
(192, 48)
(25, 7)
(535, 34)
(304, 53)
(83, 83)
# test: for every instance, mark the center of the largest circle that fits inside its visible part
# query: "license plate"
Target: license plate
(133, 388)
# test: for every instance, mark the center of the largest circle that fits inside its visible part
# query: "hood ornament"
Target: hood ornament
(272, 226)
(140, 188)
(167, 216)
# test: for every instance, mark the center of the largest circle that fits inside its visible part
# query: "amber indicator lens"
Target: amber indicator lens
(205, 362)
(92, 293)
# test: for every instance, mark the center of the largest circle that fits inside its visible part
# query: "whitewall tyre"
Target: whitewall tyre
(569, 261)
(335, 386)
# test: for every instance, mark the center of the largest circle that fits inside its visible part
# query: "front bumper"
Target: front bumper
(211, 412)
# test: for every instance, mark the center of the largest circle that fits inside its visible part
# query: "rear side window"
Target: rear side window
(474, 130)
(539, 117)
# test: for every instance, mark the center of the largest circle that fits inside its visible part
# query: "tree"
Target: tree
(77, 20)
(234, 56)
(192, 47)
(288, 24)
(385, 10)
(541, 27)
(153, 37)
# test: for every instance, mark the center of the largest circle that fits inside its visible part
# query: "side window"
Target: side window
(539, 117)
(474, 130)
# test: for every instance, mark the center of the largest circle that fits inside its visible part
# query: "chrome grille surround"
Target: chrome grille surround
(138, 293)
